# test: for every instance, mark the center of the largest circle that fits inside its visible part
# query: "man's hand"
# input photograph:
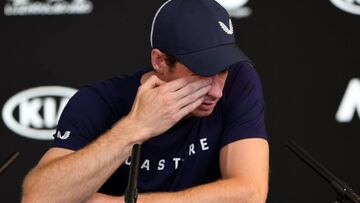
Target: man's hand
(159, 105)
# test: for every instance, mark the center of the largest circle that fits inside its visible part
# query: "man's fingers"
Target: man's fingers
(189, 108)
(193, 97)
(152, 82)
(182, 82)
(191, 88)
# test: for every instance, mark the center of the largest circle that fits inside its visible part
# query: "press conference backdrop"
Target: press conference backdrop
(306, 52)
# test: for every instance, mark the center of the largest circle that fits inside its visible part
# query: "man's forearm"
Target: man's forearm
(228, 190)
(76, 176)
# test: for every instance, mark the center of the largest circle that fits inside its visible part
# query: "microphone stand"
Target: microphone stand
(131, 191)
(343, 191)
(8, 161)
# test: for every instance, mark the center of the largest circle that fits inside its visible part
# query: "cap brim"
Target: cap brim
(214, 60)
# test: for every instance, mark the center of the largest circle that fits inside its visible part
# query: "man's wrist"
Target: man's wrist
(131, 131)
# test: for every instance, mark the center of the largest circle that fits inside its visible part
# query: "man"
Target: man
(198, 113)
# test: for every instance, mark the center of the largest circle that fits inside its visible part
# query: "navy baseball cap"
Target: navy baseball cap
(197, 32)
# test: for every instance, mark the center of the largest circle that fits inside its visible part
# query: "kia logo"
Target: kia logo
(34, 113)
(350, 6)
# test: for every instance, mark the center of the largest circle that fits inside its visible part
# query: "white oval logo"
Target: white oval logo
(232, 4)
(350, 6)
(34, 113)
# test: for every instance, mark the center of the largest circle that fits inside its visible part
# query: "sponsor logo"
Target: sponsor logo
(350, 104)
(34, 113)
(48, 7)
(229, 30)
(350, 6)
(175, 162)
(236, 8)
(65, 136)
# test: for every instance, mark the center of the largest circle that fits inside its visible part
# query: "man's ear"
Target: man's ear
(158, 61)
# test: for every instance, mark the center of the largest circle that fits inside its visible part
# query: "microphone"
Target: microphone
(131, 191)
(343, 191)
(8, 161)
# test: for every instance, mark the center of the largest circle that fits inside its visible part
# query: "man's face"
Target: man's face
(211, 98)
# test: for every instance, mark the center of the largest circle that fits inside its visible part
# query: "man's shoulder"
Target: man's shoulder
(94, 109)
(241, 74)
(242, 69)
(112, 96)
(119, 88)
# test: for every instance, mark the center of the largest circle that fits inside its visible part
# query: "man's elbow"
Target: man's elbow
(257, 194)
(29, 198)
(252, 193)
(29, 192)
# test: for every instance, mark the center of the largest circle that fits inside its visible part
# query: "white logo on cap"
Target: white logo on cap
(229, 30)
